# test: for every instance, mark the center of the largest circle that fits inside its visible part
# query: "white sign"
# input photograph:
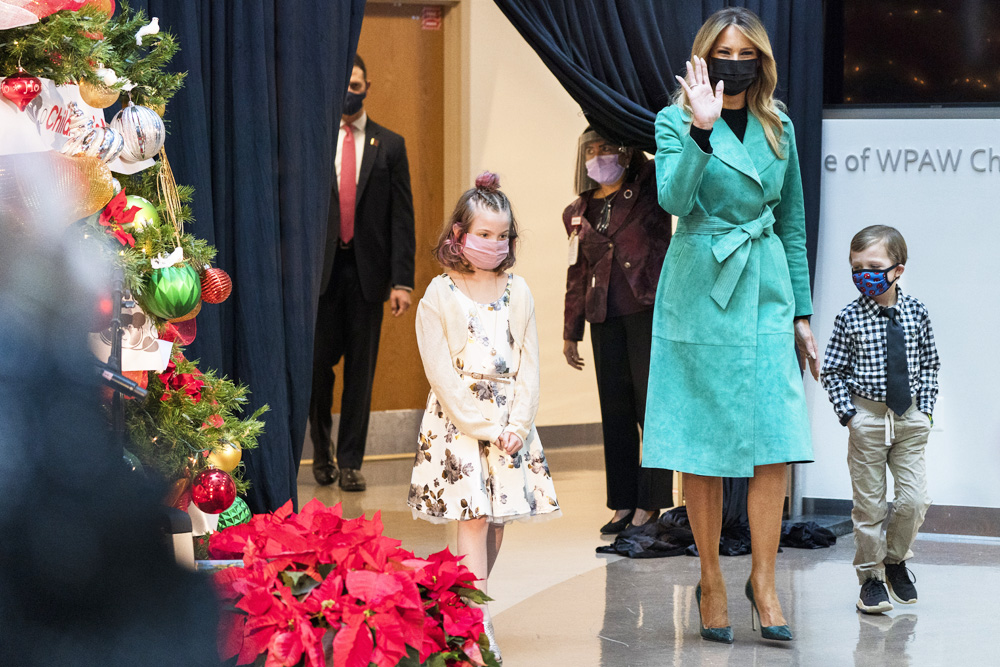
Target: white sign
(933, 179)
(42, 126)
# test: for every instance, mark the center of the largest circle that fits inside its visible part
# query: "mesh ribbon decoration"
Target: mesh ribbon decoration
(51, 190)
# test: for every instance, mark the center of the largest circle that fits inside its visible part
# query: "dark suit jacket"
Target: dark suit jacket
(383, 220)
(637, 238)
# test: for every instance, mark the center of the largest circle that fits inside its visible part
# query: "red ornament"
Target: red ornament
(21, 89)
(213, 491)
(216, 285)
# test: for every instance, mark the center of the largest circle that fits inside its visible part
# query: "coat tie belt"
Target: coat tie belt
(731, 246)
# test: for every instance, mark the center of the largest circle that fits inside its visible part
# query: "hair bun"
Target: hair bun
(488, 181)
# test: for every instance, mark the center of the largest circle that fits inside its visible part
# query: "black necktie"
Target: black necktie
(897, 381)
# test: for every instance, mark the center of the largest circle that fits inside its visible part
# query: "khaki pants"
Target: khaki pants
(880, 438)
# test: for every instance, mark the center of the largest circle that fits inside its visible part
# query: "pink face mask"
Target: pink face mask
(484, 254)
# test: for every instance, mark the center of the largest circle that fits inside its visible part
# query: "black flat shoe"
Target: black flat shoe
(638, 528)
(325, 476)
(612, 527)
(652, 519)
(352, 480)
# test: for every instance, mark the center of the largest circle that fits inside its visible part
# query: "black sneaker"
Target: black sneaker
(900, 581)
(873, 599)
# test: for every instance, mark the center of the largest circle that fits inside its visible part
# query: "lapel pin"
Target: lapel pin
(374, 142)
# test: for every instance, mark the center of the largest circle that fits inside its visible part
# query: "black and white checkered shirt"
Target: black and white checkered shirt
(856, 356)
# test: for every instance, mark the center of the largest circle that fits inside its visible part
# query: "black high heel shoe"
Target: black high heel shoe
(781, 633)
(612, 527)
(721, 635)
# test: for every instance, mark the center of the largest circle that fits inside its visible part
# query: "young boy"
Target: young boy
(881, 371)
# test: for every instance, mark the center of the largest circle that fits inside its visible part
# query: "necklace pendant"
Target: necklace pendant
(493, 351)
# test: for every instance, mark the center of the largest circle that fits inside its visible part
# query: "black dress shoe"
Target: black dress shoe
(640, 528)
(325, 476)
(352, 480)
(612, 527)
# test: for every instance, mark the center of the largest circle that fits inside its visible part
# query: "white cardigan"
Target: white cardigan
(442, 333)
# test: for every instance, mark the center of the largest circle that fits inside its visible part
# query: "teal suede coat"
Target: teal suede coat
(725, 390)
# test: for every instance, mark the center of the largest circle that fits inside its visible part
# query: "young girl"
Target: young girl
(479, 460)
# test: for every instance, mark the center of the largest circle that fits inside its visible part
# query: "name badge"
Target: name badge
(574, 248)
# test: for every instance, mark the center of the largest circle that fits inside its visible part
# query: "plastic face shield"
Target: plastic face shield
(592, 144)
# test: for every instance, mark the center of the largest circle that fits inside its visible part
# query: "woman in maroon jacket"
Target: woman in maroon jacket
(618, 238)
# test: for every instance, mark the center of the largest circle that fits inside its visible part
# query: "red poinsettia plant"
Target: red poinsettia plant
(313, 582)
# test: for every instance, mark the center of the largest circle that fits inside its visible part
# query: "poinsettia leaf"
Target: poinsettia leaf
(489, 658)
(472, 594)
(285, 648)
(438, 660)
(230, 638)
(127, 216)
(411, 659)
(299, 582)
(353, 646)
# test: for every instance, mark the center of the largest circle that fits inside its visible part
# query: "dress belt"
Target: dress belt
(493, 377)
(731, 246)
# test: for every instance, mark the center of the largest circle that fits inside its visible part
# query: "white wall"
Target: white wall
(952, 228)
(524, 126)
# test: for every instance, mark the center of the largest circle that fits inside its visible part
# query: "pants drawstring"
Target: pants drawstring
(890, 427)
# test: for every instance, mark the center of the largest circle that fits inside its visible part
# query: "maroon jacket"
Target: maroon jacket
(637, 238)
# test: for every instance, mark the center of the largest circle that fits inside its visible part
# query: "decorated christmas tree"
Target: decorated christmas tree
(82, 135)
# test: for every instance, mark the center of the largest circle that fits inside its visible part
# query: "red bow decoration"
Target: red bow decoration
(188, 382)
(115, 215)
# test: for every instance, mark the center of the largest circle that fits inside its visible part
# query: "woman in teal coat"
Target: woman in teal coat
(725, 390)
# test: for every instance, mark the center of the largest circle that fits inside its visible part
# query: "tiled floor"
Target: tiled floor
(558, 603)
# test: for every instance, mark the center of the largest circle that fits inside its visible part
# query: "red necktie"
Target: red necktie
(348, 185)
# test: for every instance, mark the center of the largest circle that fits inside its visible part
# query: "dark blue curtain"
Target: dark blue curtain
(254, 131)
(618, 58)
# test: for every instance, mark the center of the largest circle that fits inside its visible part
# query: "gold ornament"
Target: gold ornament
(98, 185)
(190, 316)
(98, 96)
(47, 188)
(160, 109)
(226, 458)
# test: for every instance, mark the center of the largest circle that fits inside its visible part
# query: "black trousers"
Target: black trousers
(621, 358)
(347, 326)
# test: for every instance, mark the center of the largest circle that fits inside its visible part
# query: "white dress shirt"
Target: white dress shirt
(359, 145)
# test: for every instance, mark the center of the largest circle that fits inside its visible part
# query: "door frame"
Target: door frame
(456, 26)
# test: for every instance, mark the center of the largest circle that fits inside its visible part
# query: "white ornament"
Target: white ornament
(87, 139)
(153, 28)
(143, 132)
(163, 261)
(107, 75)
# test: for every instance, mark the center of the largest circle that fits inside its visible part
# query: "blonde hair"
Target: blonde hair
(760, 94)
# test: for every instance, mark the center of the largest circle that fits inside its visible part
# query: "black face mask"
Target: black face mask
(738, 75)
(353, 102)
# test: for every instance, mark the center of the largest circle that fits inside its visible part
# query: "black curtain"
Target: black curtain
(254, 132)
(618, 58)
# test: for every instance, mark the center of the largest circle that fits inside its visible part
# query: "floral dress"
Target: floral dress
(456, 477)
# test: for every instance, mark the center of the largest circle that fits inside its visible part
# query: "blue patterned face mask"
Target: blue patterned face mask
(871, 283)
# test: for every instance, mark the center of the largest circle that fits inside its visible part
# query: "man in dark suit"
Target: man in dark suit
(369, 259)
